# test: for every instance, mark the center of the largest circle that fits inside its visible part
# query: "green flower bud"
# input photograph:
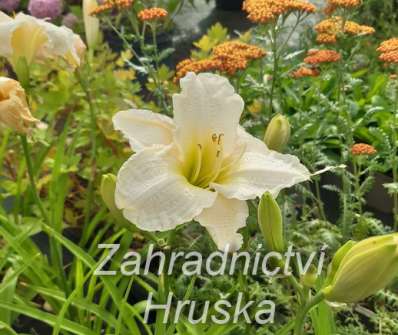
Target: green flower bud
(271, 224)
(361, 269)
(310, 278)
(277, 134)
(338, 257)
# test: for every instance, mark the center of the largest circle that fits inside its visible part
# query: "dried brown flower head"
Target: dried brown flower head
(265, 11)
(152, 14)
(322, 56)
(14, 110)
(362, 149)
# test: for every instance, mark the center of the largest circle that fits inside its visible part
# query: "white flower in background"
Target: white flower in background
(202, 165)
(91, 23)
(36, 40)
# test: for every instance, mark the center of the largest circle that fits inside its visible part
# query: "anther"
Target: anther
(220, 138)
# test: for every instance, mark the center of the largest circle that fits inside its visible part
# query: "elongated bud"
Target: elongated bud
(361, 269)
(277, 134)
(271, 224)
(91, 23)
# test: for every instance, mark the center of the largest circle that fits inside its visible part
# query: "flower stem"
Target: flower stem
(93, 155)
(275, 54)
(395, 159)
(304, 310)
(32, 181)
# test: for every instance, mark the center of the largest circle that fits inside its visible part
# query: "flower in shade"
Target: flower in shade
(152, 14)
(330, 29)
(305, 71)
(111, 5)
(36, 40)
(362, 149)
(389, 51)
(44, 9)
(322, 56)
(14, 110)
(9, 5)
(70, 20)
(200, 166)
(266, 11)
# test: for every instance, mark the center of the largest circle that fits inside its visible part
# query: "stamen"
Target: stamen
(233, 159)
(197, 167)
(214, 138)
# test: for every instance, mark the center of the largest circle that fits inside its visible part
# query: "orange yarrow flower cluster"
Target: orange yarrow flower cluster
(389, 51)
(335, 4)
(228, 57)
(265, 11)
(109, 5)
(362, 149)
(329, 29)
(196, 66)
(152, 14)
(235, 55)
(315, 57)
(304, 71)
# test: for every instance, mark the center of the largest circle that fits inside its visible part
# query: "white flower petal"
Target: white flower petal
(31, 38)
(154, 195)
(144, 128)
(207, 105)
(260, 170)
(6, 27)
(61, 43)
(91, 23)
(223, 220)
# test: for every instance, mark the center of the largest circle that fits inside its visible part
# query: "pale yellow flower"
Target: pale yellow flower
(36, 40)
(14, 110)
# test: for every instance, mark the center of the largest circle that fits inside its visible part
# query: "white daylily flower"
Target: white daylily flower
(34, 39)
(202, 165)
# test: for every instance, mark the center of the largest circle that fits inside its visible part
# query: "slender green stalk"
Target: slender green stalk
(56, 250)
(3, 147)
(29, 165)
(357, 184)
(93, 138)
(303, 312)
(319, 201)
(395, 159)
(275, 55)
